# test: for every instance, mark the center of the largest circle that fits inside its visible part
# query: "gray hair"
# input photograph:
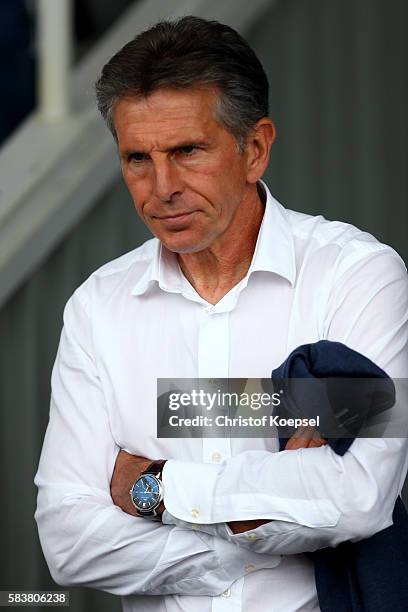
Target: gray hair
(189, 52)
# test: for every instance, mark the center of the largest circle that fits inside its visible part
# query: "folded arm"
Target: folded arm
(86, 539)
(312, 498)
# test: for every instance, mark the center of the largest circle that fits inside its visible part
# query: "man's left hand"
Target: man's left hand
(127, 469)
(304, 437)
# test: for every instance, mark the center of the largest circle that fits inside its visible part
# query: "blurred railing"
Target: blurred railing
(54, 55)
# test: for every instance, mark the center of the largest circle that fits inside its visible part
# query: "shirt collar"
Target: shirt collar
(163, 268)
(274, 252)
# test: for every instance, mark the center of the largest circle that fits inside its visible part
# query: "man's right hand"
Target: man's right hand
(305, 437)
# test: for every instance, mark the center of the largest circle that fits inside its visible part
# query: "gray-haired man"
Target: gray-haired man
(231, 283)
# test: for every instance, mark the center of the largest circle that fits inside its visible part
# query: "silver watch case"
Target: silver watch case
(151, 512)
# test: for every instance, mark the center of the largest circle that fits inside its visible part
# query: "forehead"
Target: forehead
(165, 114)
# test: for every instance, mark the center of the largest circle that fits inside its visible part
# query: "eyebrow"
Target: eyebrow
(185, 143)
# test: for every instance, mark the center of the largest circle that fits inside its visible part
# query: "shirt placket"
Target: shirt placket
(213, 365)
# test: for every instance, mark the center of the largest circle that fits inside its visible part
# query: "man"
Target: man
(229, 286)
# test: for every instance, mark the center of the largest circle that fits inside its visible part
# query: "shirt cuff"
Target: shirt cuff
(204, 493)
(234, 561)
(182, 499)
(238, 562)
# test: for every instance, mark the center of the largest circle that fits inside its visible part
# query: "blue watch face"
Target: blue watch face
(146, 492)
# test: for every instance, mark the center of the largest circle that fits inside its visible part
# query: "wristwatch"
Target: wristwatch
(147, 492)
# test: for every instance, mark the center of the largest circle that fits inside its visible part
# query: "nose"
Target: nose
(168, 184)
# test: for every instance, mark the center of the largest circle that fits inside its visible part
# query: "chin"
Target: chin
(183, 248)
(178, 245)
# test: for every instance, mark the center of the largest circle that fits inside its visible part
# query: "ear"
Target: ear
(259, 144)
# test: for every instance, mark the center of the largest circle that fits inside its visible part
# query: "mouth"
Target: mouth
(173, 220)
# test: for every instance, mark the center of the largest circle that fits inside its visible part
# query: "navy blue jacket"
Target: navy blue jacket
(370, 575)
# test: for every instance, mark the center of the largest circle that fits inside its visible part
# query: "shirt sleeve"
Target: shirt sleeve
(86, 539)
(313, 497)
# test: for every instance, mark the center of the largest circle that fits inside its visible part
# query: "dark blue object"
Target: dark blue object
(370, 575)
(17, 68)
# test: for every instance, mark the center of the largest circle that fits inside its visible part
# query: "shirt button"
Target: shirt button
(216, 457)
(226, 593)
(251, 536)
(195, 512)
(250, 567)
(195, 526)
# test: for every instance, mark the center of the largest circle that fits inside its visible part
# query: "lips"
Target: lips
(178, 216)
(176, 222)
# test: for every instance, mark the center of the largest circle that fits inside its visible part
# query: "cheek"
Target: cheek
(228, 176)
(138, 189)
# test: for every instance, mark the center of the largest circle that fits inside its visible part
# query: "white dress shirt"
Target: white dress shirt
(136, 319)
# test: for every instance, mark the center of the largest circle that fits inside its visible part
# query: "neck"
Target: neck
(215, 270)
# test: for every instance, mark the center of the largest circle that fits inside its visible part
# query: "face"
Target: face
(181, 166)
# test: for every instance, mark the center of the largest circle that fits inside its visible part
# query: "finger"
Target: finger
(300, 438)
(317, 438)
(301, 432)
(315, 443)
(295, 443)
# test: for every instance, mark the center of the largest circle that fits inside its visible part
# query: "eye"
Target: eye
(137, 158)
(188, 150)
